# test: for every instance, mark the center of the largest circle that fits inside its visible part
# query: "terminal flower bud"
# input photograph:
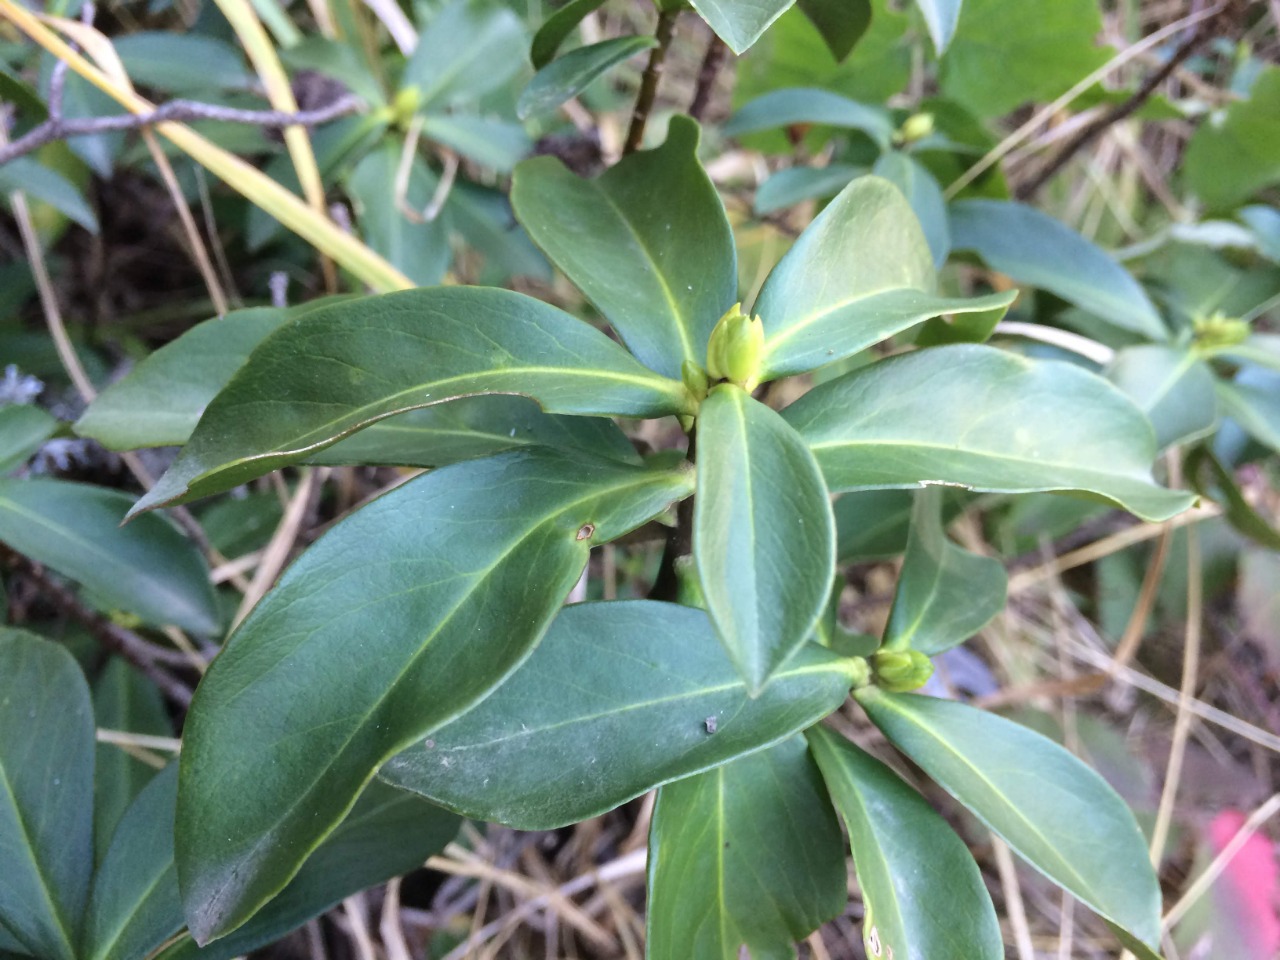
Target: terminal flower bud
(736, 349)
(900, 671)
(915, 127)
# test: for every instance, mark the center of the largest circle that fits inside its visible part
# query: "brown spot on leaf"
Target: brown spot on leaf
(586, 530)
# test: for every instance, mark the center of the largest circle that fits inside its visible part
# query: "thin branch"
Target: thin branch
(58, 128)
(649, 82)
(1120, 111)
(712, 61)
(133, 648)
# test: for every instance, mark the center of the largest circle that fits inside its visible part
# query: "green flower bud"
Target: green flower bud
(915, 127)
(900, 671)
(406, 104)
(695, 380)
(736, 349)
(1219, 330)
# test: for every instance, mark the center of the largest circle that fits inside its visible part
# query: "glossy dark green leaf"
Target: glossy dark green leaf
(556, 29)
(148, 569)
(460, 572)
(46, 780)
(395, 226)
(739, 23)
(859, 273)
(872, 524)
(388, 833)
(921, 888)
(945, 594)
(648, 242)
(1048, 806)
(496, 144)
(783, 108)
(1008, 52)
(763, 535)
(159, 402)
(1228, 161)
(567, 76)
(990, 421)
(1172, 386)
(842, 23)
(797, 184)
(941, 16)
(925, 196)
(123, 699)
(46, 185)
(617, 698)
(335, 370)
(1035, 249)
(135, 905)
(468, 49)
(23, 428)
(474, 427)
(744, 859)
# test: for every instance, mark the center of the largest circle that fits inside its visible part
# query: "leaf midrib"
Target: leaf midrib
(28, 847)
(478, 577)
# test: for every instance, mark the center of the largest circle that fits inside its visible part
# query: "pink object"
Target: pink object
(1249, 887)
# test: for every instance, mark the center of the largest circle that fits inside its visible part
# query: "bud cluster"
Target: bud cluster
(736, 349)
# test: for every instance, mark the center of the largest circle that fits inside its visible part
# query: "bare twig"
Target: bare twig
(1120, 111)
(135, 650)
(58, 128)
(712, 61)
(649, 82)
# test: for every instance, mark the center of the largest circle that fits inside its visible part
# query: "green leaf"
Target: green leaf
(859, 273)
(1008, 52)
(1035, 249)
(1172, 386)
(1232, 157)
(617, 698)
(556, 29)
(989, 421)
(763, 534)
(842, 23)
(567, 76)
(1221, 487)
(475, 427)
(1048, 806)
(341, 61)
(162, 398)
(921, 889)
(1262, 349)
(181, 63)
(48, 186)
(945, 594)
(460, 572)
(23, 430)
(123, 699)
(925, 196)
(872, 524)
(417, 247)
(495, 144)
(739, 23)
(468, 49)
(747, 855)
(941, 17)
(135, 905)
(648, 243)
(797, 184)
(1252, 399)
(483, 218)
(46, 778)
(783, 108)
(388, 833)
(331, 372)
(148, 569)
